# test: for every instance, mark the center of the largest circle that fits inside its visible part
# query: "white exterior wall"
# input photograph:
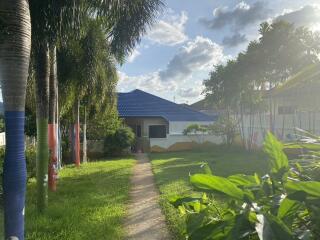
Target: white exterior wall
(176, 135)
(2, 139)
(176, 128)
(172, 139)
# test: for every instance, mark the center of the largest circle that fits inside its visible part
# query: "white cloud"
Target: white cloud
(183, 75)
(170, 30)
(134, 55)
(199, 54)
(192, 92)
(148, 82)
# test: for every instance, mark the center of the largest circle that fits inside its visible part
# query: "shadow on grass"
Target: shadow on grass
(172, 172)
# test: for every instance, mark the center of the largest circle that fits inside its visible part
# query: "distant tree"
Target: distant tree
(281, 51)
(225, 127)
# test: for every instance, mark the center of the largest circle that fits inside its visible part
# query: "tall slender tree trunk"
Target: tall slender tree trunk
(52, 137)
(15, 45)
(42, 104)
(77, 135)
(58, 130)
(84, 147)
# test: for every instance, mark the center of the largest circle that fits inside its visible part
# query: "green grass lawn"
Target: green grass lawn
(172, 174)
(90, 203)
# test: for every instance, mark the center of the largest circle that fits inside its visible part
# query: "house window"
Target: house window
(286, 110)
(138, 133)
(157, 131)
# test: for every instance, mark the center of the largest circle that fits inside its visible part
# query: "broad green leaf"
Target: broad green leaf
(195, 221)
(219, 184)
(278, 161)
(241, 227)
(288, 210)
(312, 188)
(178, 201)
(243, 180)
(217, 231)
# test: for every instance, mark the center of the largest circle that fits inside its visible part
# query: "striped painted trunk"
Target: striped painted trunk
(15, 45)
(52, 126)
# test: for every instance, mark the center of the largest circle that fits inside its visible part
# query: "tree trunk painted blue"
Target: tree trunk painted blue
(15, 45)
(14, 175)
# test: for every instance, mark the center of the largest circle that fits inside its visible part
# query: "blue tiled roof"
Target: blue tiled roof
(141, 104)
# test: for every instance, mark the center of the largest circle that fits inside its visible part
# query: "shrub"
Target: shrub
(122, 139)
(283, 204)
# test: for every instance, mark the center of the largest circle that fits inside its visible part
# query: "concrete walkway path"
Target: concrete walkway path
(145, 220)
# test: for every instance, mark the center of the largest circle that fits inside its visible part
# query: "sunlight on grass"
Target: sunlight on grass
(89, 204)
(172, 172)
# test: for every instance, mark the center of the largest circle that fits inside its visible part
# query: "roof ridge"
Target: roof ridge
(178, 105)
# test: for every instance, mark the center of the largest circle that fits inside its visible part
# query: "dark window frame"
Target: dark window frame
(158, 131)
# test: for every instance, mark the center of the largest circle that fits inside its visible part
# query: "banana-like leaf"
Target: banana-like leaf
(288, 210)
(219, 184)
(244, 180)
(312, 188)
(278, 161)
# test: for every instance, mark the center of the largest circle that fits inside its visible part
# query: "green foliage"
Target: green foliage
(1, 124)
(195, 129)
(122, 139)
(280, 52)
(272, 207)
(172, 171)
(225, 127)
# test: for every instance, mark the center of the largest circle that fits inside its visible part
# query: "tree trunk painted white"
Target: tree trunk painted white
(84, 147)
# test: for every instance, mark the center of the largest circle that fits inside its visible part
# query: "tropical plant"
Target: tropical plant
(15, 45)
(54, 22)
(282, 204)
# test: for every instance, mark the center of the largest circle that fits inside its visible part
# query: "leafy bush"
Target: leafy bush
(122, 139)
(281, 205)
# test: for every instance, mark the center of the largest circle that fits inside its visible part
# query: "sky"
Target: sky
(190, 37)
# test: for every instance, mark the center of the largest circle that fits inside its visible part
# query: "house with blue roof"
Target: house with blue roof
(158, 123)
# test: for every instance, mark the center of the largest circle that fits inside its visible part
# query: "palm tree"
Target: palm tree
(124, 22)
(52, 127)
(15, 45)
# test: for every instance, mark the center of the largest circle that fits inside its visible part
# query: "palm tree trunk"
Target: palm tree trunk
(77, 135)
(42, 104)
(84, 148)
(15, 45)
(52, 137)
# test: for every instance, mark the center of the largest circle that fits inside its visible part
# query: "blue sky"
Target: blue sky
(190, 37)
